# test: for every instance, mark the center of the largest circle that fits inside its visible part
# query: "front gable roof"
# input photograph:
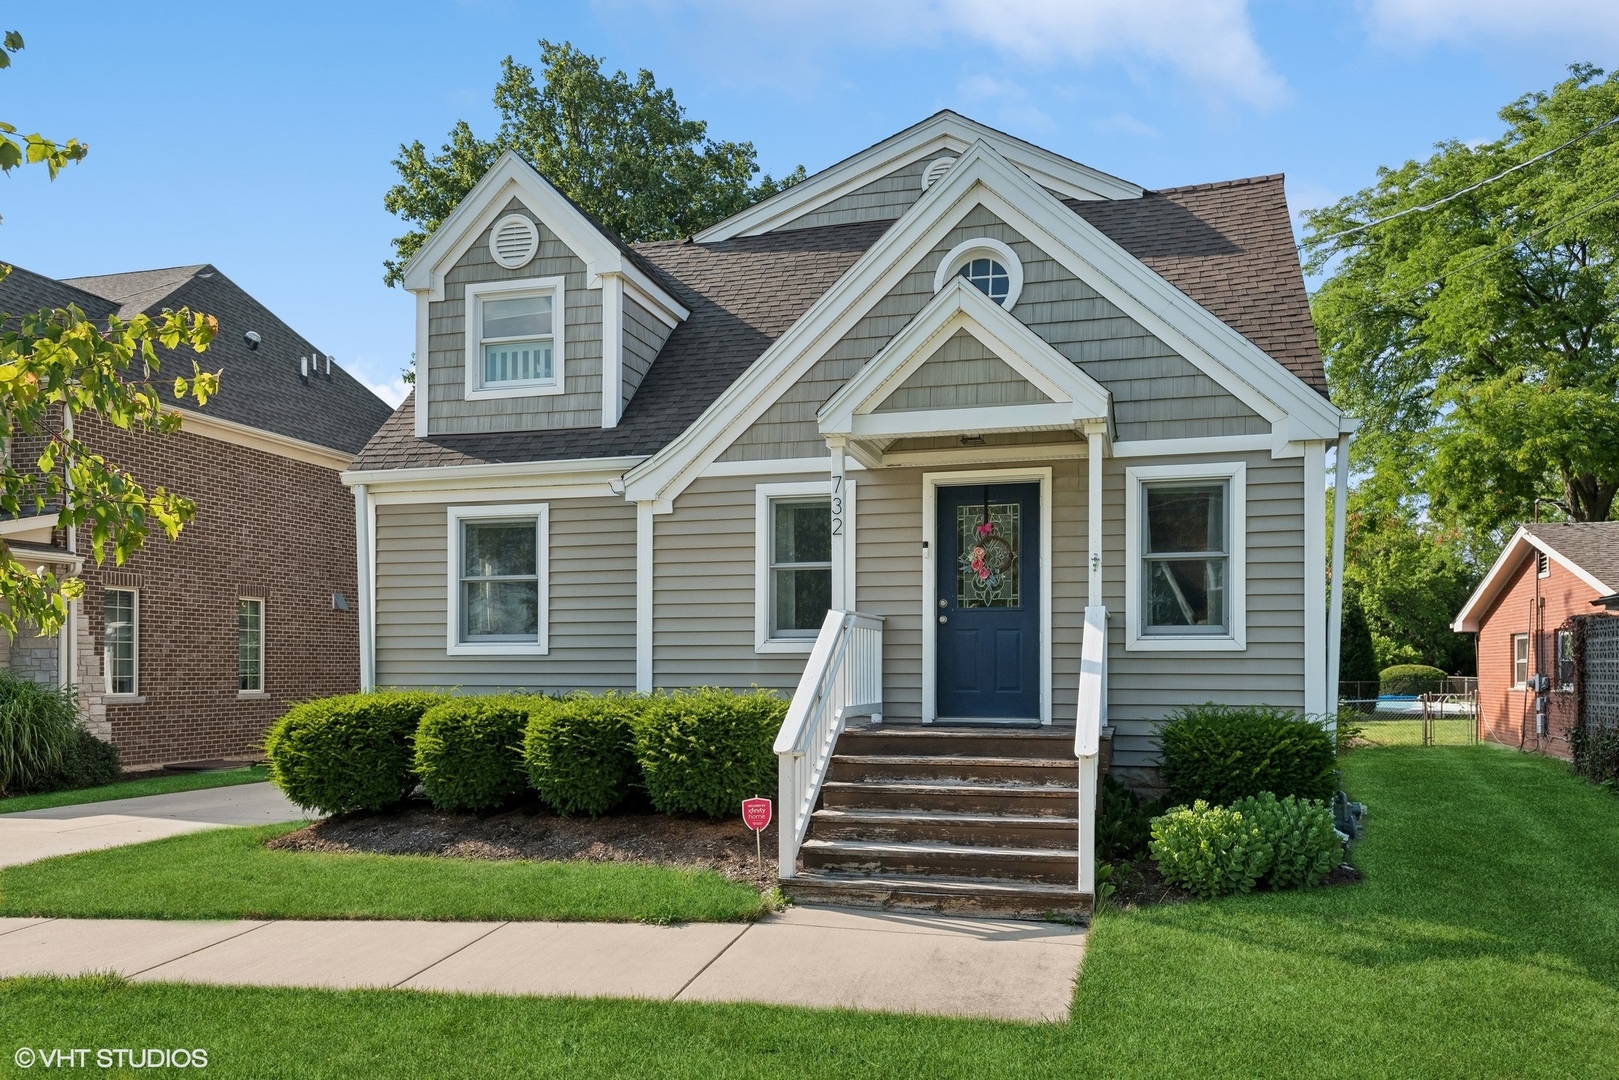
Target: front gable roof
(1587, 549)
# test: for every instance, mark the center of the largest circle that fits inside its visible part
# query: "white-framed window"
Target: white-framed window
(990, 265)
(1186, 580)
(1565, 660)
(1520, 661)
(121, 622)
(796, 527)
(249, 645)
(499, 579)
(514, 337)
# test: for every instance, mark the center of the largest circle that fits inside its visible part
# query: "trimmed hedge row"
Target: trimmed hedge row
(697, 751)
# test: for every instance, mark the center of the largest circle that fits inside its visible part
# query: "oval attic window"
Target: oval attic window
(513, 241)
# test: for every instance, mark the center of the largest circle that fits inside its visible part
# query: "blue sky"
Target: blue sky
(258, 137)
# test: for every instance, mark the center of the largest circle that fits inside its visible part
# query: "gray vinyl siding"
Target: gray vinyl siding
(1157, 394)
(881, 200)
(449, 412)
(962, 373)
(644, 336)
(592, 603)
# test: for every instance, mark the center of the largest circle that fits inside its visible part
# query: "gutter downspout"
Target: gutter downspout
(362, 583)
(1335, 610)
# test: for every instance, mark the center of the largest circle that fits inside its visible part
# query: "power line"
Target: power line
(1510, 244)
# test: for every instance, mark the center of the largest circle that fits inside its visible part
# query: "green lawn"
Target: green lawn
(130, 789)
(229, 874)
(1484, 942)
(1407, 731)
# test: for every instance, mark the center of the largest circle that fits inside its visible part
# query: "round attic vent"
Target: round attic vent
(936, 169)
(513, 241)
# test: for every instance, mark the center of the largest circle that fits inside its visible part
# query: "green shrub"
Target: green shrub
(351, 752)
(469, 751)
(1596, 754)
(88, 762)
(704, 751)
(1125, 824)
(580, 751)
(1407, 679)
(37, 726)
(1304, 845)
(1209, 850)
(1222, 754)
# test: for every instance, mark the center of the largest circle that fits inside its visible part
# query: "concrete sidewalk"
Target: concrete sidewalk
(819, 957)
(62, 830)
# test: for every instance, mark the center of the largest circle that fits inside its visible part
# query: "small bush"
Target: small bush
(88, 762)
(469, 751)
(351, 752)
(37, 728)
(1304, 845)
(704, 751)
(1596, 754)
(580, 751)
(1125, 824)
(1209, 850)
(1222, 754)
(1403, 680)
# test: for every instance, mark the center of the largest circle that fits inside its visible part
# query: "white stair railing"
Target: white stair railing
(844, 678)
(1088, 736)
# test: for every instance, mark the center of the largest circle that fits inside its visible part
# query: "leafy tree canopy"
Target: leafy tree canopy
(621, 148)
(1477, 339)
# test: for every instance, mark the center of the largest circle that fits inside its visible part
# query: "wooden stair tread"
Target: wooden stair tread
(951, 787)
(922, 847)
(954, 759)
(941, 817)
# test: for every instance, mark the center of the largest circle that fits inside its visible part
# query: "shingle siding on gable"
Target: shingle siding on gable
(962, 373)
(1157, 394)
(644, 335)
(579, 406)
(881, 200)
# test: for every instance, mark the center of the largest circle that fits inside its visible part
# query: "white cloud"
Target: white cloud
(1587, 24)
(392, 391)
(1125, 124)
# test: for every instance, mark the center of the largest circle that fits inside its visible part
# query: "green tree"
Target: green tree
(1357, 657)
(621, 148)
(1477, 339)
(56, 365)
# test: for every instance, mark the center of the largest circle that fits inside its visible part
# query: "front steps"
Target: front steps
(964, 820)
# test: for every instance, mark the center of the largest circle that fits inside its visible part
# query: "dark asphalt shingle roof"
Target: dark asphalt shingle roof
(25, 292)
(1229, 246)
(1593, 546)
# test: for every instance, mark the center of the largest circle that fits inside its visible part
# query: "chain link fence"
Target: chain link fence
(1444, 716)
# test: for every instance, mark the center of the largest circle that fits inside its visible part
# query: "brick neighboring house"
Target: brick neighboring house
(1546, 574)
(254, 607)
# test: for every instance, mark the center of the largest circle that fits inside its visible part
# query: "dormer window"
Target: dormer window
(990, 266)
(514, 337)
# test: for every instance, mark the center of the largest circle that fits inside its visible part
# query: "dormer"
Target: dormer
(529, 315)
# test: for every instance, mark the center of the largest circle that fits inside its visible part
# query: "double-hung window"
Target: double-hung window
(1520, 661)
(121, 626)
(795, 525)
(249, 645)
(514, 337)
(498, 579)
(1185, 544)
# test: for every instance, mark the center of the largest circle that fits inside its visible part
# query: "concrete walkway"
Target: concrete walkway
(819, 957)
(63, 830)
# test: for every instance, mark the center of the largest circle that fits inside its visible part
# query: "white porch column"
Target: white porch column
(1096, 440)
(841, 600)
(643, 597)
(364, 605)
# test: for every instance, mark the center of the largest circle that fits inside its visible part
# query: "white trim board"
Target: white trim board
(454, 516)
(267, 442)
(931, 482)
(1235, 473)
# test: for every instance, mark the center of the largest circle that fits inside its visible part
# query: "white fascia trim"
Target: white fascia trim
(896, 253)
(945, 131)
(576, 471)
(777, 466)
(228, 431)
(1318, 696)
(983, 245)
(454, 516)
(1470, 620)
(1212, 444)
(1236, 473)
(472, 324)
(18, 526)
(931, 482)
(423, 330)
(612, 377)
(763, 495)
(985, 455)
(921, 423)
(961, 306)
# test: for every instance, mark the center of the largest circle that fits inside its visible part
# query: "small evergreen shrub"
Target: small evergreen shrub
(580, 751)
(37, 729)
(1221, 754)
(88, 762)
(1304, 845)
(1405, 680)
(704, 751)
(351, 752)
(469, 751)
(1209, 850)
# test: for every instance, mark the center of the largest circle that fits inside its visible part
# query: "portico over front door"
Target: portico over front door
(988, 595)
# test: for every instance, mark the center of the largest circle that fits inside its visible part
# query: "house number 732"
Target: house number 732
(837, 506)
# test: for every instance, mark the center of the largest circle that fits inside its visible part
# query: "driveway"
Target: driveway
(62, 830)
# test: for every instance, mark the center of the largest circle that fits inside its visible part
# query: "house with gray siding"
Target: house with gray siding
(987, 459)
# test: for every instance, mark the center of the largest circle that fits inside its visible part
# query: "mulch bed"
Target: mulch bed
(1137, 883)
(532, 832)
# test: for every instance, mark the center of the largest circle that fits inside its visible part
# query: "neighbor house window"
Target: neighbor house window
(514, 337)
(796, 524)
(250, 646)
(1520, 661)
(498, 580)
(1185, 573)
(1565, 660)
(121, 618)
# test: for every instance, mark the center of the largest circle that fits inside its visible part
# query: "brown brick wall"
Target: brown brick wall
(1536, 606)
(266, 526)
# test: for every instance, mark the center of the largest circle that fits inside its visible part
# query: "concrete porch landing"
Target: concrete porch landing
(816, 957)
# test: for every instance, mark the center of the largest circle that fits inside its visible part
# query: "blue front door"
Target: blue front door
(989, 602)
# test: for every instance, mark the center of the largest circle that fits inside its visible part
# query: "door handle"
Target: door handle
(943, 619)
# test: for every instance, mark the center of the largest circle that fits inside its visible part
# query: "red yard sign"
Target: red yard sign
(756, 813)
